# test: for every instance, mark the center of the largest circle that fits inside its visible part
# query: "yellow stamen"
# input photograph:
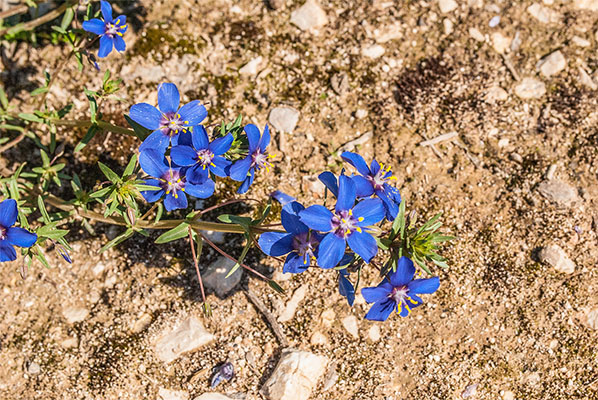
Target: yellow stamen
(360, 219)
(358, 229)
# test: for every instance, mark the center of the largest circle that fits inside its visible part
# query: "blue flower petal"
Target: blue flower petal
(329, 180)
(246, 183)
(7, 252)
(153, 163)
(8, 213)
(197, 174)
(120, 20)
(157, 142)
(201, 191)
(119, 43)
(295, 264)
(174, 203)
(20, 237)
(346, 289)
(253, 136)
(168, 97)
(371, 210)
(193, 113)
(283, 198)
(106, 44)
(357, 161)
(221, 145)
(424, 286)
(152, 195)
(381, 311)
(106, 11)
(346, 194)
(374, 167)
(265, 139)
(391, 208)
(95, 25)
(374, 294)
(330, 250)
(363, 244)
(183, 156)
(317, 217)
(220, 166)
(404, 273)
(276, 244)
(183, 138)
(200, 137)
(239, 170)
(291, 221)
(404, 310)
(363, 187)
(146, 115)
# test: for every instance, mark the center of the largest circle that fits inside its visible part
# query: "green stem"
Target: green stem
(28, 26)
(84, 124)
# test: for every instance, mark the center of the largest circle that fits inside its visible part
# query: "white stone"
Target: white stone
(34, 369)
(75, 314)
(289, 311)
(500, 43)
(548, 2)
(590, 5)
(216, 237)
(495, 94)
(374, 333)
(373, 52)
(504, 142)
(212, 396)
(388, 33)
(309, 16)
(447, 6)
(327, 318)
(251, 68)
(295, 376)
(530, 88)
(214, 277)
(361, 113)
(188, 336)
(556, 257)
(494, 21)
(350, 324)
(448, 26)
(165, 394)
(543, 14)
(318, 339)
(98, 268)
(592, 318)
(559, 192)
(552, 64)
(586, 79)
(284, 119)
(476, 34)
(508, 395)
(581, 42)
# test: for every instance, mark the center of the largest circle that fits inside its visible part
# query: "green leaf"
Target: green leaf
(30, 117)
(91, 132)
(130, 166)
(67, 18)
(111, 175)
(242, 257)
(264, 213)
(143, 188)
(235, 219)
(102, 192)
(42, 209)
(117, 240)
(39, 91)
(275, 286)
(40, 256)
(9, 127)
(140, 131)
(159, 212)
(178, 232)
(93, 105)
(3, 98)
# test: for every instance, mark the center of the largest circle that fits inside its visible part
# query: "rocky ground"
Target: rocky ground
(485, 110)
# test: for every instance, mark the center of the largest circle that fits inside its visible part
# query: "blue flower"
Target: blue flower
(345, 225)
(204, 156)
(171, 181)
(110, 30)
(345, 287)
(399, 292)
(10, 235)
(374, 180)
(169, 121)
(298, 241)
(257, 158)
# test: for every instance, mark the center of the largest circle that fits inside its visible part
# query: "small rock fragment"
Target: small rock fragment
(318, 339)
(448, 26)
(494, 21)
(165, 394)
(495, 94)
(214, 277)
(295, 376)
(543, 14)
(284, 119)
(476, 34)
(586, 79)
(581, 42)
(516, 43)
(75, 314)
(340, 83)
(34, 368)
(309, 16)
(447, 6)
(590, 5)
(556, 257)
(289, 311)
(508, 395)
(374, 333)
(552, 64)
(141, 323)
(363, 139)
(470, 391)
(213, 396)
(388, 33)
(530, 88)
(327, 318)
(373, 52)
(350, 324)
(251, 68)
(500, 43)
(592, 318)
(559, 192)
(224, 372)
(361, 113)
(276, 4)
(188, 336)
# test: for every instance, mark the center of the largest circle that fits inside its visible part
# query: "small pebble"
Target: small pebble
(494, 21)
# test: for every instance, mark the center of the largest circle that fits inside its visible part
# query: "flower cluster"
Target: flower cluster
(337, 237)
(179, 157)
(109, 30)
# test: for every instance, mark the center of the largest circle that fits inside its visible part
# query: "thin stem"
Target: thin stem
(28, 26)
(219, 250)
(85, 124)
(149, 211)
(196, 263)
(14, 11)
(13, 142)
(226, 203)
